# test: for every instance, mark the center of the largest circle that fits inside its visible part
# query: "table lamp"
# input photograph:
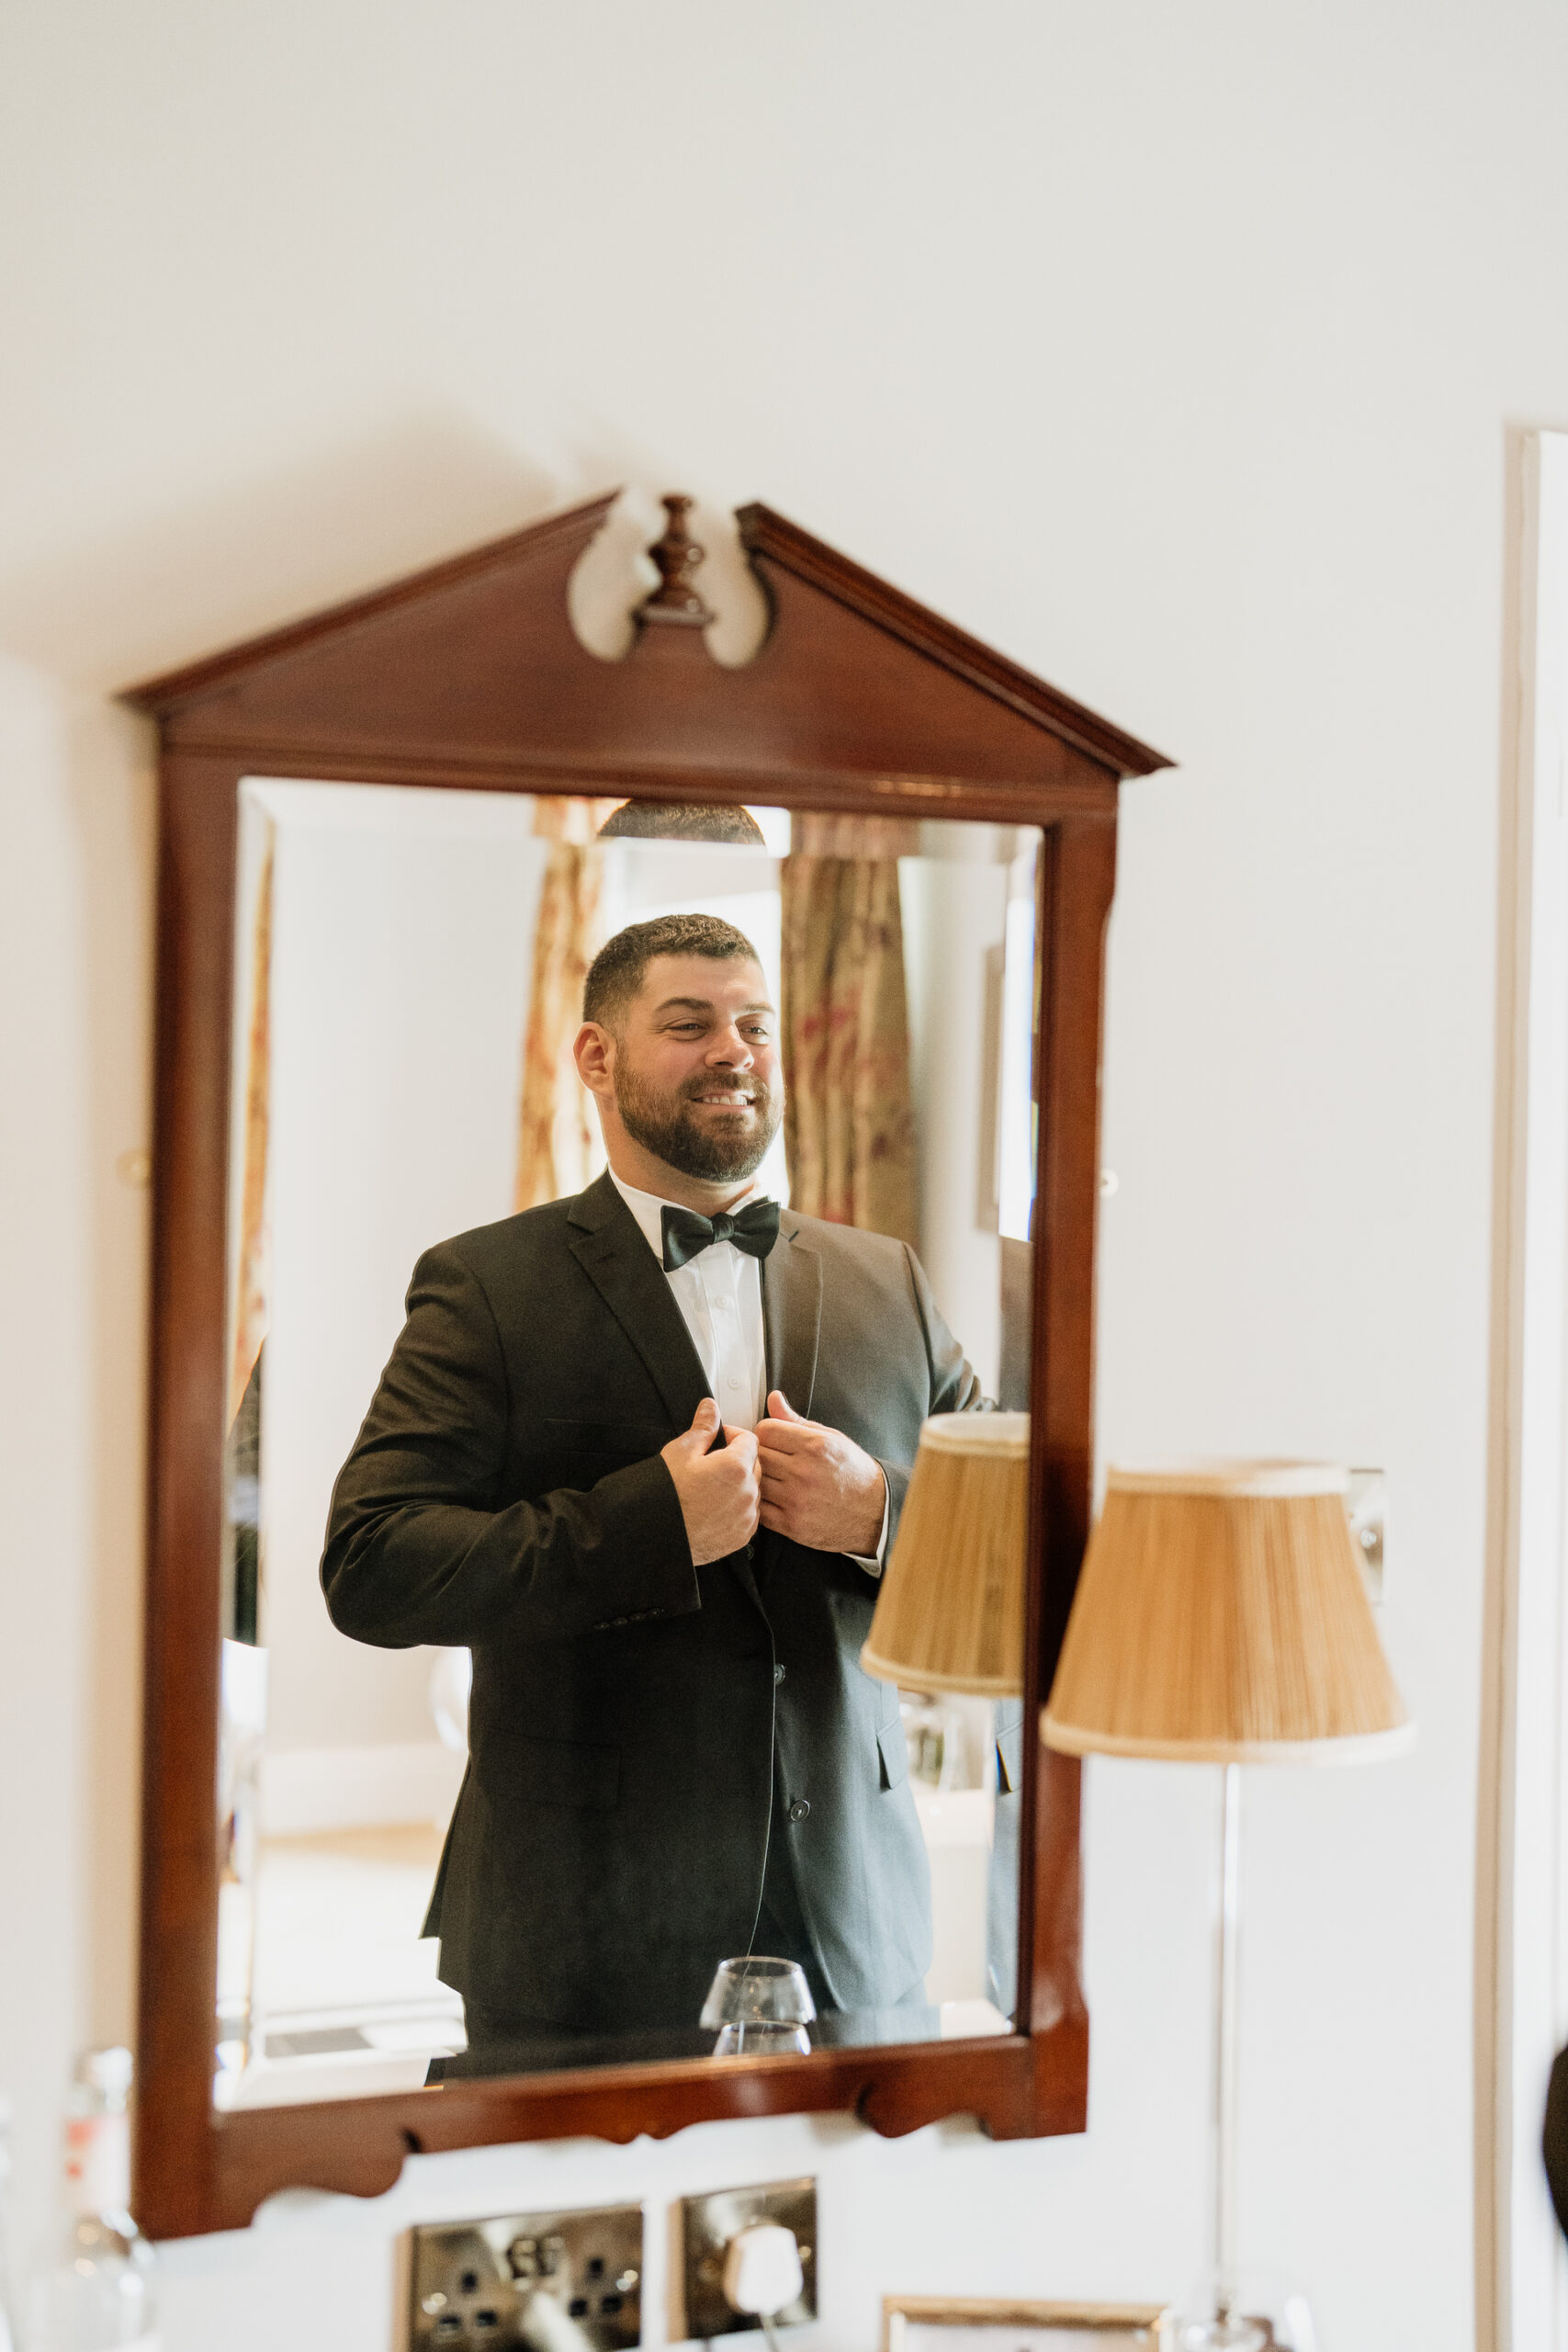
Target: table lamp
(948, 1617)
(1221, 1617)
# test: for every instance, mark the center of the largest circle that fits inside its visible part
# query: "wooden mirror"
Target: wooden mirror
(860, 710)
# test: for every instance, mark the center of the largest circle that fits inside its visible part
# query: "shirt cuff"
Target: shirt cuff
(873, 1564)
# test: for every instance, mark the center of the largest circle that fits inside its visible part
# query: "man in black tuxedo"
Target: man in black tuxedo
(674, 1755)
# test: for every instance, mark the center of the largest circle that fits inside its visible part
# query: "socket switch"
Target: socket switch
(553, 2283)
(707, 2224)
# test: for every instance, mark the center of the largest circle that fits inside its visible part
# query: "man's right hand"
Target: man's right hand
(719, 1492)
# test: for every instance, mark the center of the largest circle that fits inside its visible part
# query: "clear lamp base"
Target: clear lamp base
(1261, 2310)
(1218, 2334)
(762, 2041)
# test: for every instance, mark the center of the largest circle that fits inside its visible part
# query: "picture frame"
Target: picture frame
(953, 2323)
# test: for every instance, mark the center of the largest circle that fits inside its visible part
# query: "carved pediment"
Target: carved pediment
(473, 664)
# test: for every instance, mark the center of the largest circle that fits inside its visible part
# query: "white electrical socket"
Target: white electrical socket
(699, 2307)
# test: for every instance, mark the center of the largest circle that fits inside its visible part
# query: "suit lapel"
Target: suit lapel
(792, 1311)
(608, 1244)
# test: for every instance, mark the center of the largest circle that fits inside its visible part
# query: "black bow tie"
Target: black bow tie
(755, 1230)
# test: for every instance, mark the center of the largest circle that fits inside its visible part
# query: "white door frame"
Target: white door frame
(1522, 1845)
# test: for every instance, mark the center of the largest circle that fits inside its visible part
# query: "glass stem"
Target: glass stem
(1227, 2020)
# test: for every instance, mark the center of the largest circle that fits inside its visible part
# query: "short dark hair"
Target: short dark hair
(617, 972)
(681, 820)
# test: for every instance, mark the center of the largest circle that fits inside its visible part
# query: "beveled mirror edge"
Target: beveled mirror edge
(197, 2172)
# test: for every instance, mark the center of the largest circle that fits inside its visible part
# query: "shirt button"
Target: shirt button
(799, 1809)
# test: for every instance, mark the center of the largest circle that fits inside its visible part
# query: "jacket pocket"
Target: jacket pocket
(570, 1774)
(894, 1752)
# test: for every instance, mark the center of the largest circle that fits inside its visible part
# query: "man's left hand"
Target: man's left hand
(818, 1488)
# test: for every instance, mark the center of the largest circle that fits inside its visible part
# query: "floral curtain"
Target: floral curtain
(849, 1121)
(559, 1145)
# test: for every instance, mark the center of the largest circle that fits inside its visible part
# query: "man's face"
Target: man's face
(696, 1070)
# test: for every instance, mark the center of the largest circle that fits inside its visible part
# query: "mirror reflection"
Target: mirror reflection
(612, 1192)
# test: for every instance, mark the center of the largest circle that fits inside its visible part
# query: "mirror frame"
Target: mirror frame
(469, 675)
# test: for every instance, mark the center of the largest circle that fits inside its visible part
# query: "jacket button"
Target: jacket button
(778, 1674)
(799, 1809)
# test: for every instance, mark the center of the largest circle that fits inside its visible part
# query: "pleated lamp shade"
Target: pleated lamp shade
(1221, 1617)
(950, 1614)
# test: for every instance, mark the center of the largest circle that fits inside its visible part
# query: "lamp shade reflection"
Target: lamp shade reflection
(949, 1615)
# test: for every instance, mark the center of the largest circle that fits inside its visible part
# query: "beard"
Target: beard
(721, 1148)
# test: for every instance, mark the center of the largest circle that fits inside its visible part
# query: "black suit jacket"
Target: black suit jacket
(630, 1712)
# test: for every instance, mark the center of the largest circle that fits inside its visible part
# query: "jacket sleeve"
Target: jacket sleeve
(952, 1386)
(420, 1547)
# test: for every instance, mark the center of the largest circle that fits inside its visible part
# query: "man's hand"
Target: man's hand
(718, 1492)
(818, 1488)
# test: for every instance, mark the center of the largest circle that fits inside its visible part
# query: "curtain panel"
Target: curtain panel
(848, 1119)
(559, 1145)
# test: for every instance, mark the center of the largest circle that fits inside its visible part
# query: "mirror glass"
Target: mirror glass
(513, 1760)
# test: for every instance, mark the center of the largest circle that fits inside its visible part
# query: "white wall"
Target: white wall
(1170, 348)
(383, 920)
(953, 902)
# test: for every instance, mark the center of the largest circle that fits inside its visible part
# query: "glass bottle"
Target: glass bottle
(100, 2292)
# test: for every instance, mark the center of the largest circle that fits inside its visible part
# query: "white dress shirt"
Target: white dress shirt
(719, 1293)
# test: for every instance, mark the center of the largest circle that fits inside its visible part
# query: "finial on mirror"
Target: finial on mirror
(677, 554)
